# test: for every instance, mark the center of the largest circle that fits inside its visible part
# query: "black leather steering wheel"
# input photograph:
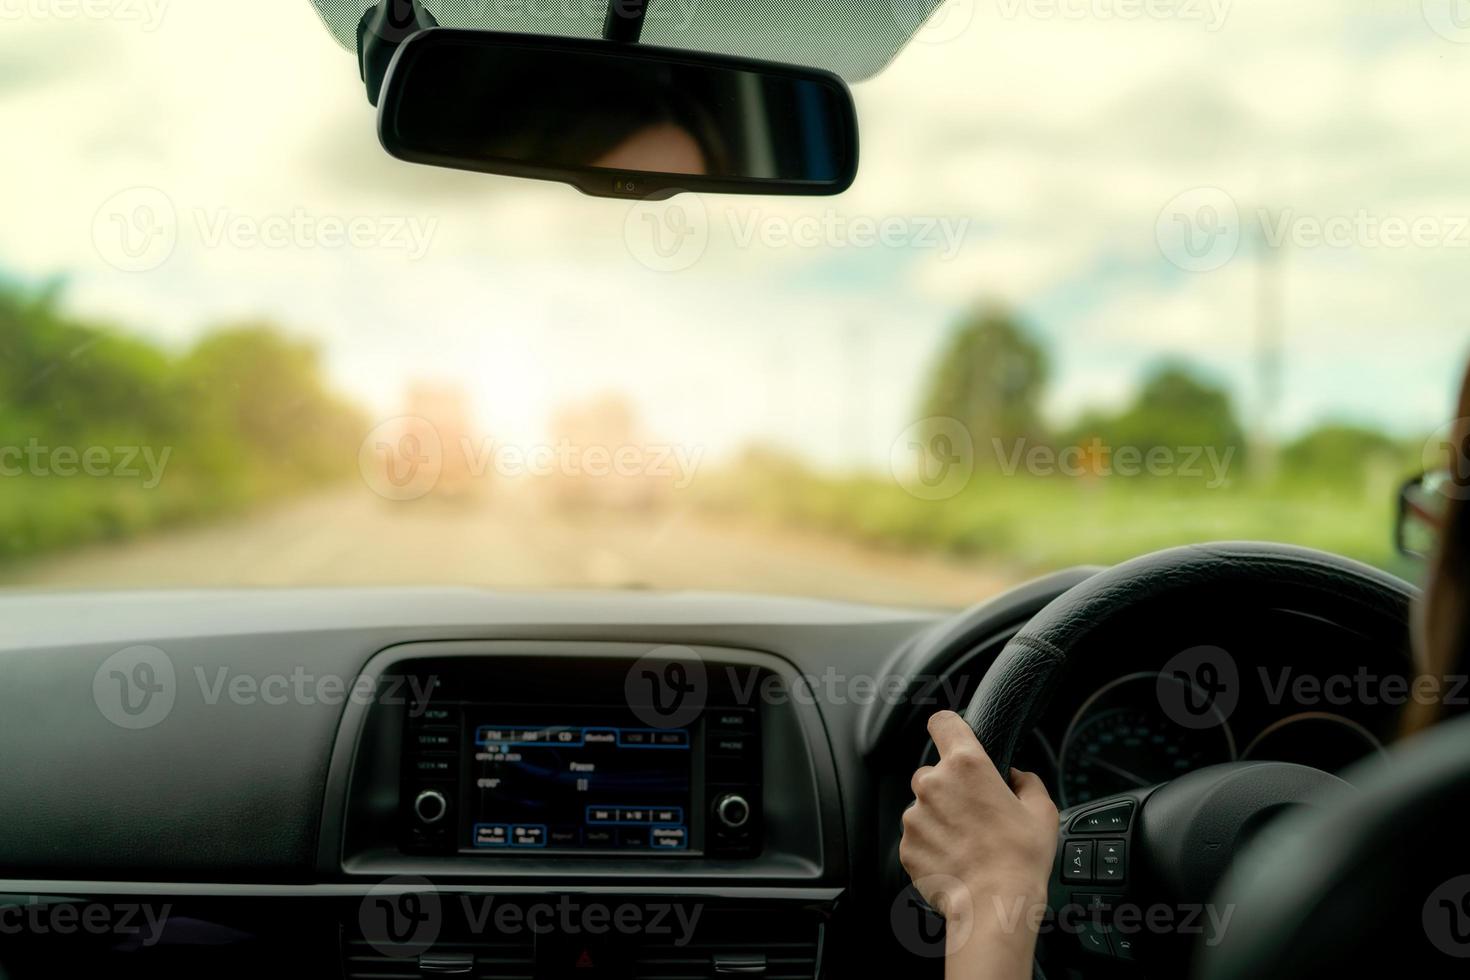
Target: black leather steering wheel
(1378, 887)
(1164, 848)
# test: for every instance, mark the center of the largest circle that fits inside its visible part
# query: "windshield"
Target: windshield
(1111, 277)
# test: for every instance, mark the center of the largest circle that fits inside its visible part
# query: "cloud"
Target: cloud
(1056, 140)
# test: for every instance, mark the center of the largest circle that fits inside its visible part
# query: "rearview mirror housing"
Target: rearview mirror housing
(615, 119)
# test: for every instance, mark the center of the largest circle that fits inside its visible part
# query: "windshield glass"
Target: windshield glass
(1111, 277)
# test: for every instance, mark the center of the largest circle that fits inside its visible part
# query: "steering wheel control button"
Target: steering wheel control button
(1077, 860)
(1112, 819)
(733, 811)
(430, 806)
(1094, 906)
(1094, 938)
(1111, 860)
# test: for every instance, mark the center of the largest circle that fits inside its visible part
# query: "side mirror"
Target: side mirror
(616, 120)
(1423, 502)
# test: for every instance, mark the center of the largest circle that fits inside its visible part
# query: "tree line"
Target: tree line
(991, 375)
(103, 434)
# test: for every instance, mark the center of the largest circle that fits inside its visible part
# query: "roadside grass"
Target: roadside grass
(40, 516)
(1032, 524)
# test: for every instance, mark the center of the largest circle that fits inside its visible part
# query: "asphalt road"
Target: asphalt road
(357, 538)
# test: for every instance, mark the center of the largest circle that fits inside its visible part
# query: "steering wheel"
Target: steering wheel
(1135, 872)
(1380, 887)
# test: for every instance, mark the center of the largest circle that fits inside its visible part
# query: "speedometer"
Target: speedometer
(1121, 739)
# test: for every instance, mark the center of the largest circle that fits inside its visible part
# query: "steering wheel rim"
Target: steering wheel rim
(1228, 801)
(1019, 685)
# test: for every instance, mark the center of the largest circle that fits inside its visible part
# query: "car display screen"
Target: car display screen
(593, 783)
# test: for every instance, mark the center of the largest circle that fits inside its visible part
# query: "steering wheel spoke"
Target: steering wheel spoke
(1094, 877)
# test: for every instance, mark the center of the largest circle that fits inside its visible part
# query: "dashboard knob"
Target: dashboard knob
(430, 806)
(733, 811)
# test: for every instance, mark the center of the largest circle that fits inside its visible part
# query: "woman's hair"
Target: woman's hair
(1443, 622)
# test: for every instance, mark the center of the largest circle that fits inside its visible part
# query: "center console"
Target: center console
(516, 797)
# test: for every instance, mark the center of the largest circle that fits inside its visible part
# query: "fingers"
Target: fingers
(919, 775)
(952, 735)
(1025, 783)
(1031, 791)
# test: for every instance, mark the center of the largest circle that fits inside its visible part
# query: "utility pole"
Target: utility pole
(1269, 354)
(858, 360)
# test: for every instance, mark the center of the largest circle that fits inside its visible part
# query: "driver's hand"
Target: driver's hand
(979, 851)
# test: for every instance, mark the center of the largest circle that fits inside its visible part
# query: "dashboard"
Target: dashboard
(1292, 689)
(429, 782)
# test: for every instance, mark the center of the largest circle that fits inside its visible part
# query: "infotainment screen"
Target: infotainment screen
(596, 783)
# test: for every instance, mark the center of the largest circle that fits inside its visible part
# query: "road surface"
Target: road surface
(354, 537)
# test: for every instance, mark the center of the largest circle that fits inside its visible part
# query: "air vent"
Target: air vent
(755, 945)
(705, 942)
(490, 960)
(698, 961)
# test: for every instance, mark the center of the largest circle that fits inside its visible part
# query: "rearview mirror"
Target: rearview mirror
(614, 119)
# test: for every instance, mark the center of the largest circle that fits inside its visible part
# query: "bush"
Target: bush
(241, 418)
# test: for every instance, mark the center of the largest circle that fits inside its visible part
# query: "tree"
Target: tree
(61, 376)
(990, 376)
(261, 400)
(1344, 454)
(1176, 408)
(244, 416)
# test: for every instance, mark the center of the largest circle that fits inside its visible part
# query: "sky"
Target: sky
(1130, 177)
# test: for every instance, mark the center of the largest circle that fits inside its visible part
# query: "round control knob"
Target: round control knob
(430, 806)
(733, 811)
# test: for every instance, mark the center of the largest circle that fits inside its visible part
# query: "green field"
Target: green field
(1033, 524)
